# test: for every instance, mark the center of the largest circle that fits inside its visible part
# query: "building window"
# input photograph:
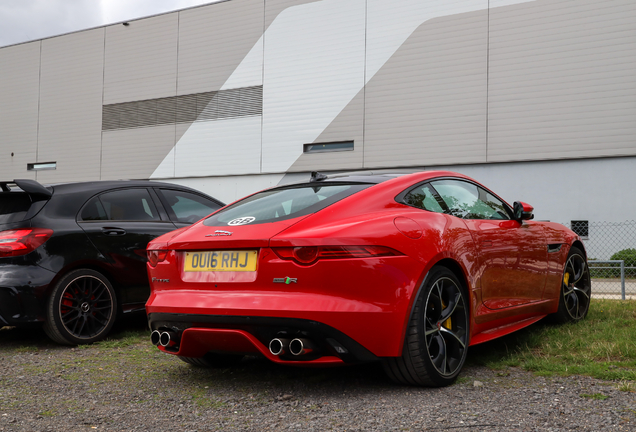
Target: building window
(580, 227)
(328, 147)
(41, 166)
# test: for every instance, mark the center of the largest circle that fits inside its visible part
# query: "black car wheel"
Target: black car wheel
(437, 337)
(81, 309)
(576, 288)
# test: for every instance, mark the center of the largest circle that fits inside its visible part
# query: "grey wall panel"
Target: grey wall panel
(427, 104)
(213, 40)
(347, 126)
(135, 153)
(19, 94)
(218, 147)
(71, 106)
(550, 189)
(141, 59)
(562, 81)
(273, 8)
(313, 68)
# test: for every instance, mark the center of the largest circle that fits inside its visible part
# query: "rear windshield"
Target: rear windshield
(13, 206)
(284, 203)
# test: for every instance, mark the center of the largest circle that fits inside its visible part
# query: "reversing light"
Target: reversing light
(306, 255)
(18, 242)
(156, 256)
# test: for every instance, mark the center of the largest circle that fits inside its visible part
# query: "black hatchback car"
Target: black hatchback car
(73, 256)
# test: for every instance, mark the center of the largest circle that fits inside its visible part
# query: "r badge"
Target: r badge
(286, 280)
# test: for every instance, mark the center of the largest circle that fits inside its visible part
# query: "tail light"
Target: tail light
(22, 241)
(156, 256)
(307, 255)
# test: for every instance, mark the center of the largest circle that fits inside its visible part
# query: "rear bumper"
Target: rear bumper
(366, 300)
(22, 294)
(197, 335)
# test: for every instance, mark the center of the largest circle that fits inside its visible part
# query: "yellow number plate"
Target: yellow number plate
(217, 261)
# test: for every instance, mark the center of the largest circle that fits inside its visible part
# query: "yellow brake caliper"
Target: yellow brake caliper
(448, 323)
(566, 278)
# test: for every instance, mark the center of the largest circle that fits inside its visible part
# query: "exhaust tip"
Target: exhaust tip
(165, 338)
(277, 346)
(155, 337)
(297, 347)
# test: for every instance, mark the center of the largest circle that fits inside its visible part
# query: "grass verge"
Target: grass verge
(602, 346)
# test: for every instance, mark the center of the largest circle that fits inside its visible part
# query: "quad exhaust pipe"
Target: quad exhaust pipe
(155, 337)
(165, 338)
(300, 346)
(279, 346)
(295, 347)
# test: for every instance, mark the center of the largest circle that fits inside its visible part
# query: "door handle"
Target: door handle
(486, 243)
(111, 232)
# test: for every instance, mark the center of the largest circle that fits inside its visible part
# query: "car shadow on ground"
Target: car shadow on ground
(34, 336)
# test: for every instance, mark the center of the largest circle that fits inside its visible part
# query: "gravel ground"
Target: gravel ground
(127, 385)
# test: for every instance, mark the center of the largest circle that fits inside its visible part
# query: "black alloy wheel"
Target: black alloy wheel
(437, 337)
(576, 288)
(82, 308)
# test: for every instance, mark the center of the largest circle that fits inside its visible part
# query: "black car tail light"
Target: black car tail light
(156, 256)
(306, 255)
(18, 242)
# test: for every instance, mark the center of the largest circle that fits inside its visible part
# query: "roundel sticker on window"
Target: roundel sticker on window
(242, 220)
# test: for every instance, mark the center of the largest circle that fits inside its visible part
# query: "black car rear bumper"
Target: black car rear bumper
(21, 294)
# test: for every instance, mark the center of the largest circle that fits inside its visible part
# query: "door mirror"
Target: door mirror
(523, 211)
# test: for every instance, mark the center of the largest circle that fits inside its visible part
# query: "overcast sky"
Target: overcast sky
(26, 20)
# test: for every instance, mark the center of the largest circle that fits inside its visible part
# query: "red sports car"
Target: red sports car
(407, 269)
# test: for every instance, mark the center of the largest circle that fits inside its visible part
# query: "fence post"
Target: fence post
(623, 279)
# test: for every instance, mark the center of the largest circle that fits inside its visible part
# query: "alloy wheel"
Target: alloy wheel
(86, 307)
(446, 324)
(576, 286)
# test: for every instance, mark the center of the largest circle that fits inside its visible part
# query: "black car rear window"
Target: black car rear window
(14, 206)
(283, 203)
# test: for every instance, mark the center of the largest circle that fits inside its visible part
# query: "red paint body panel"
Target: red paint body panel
(496, 332)
(511, 278)
(514, 259)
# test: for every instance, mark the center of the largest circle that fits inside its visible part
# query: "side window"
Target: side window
(499, 208)
(423, 197)
(121, 205)
(188, 207)
(93, 210)
(467, 201)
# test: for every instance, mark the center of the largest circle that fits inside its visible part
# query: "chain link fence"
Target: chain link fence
(611, 251)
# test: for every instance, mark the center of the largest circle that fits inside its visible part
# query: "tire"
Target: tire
(437, 336)
(213, 360)
(576, 289)
(81, 309)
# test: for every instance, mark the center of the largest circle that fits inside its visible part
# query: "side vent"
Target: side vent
(328, 147)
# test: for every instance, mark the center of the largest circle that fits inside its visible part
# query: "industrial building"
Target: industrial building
(536, 99)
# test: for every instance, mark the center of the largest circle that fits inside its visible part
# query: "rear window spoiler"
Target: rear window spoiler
(31, 187)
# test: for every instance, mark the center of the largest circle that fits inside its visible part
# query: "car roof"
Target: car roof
(65, 199)
(32, 186)
(102, 185)
(367, 177)
(371, 177)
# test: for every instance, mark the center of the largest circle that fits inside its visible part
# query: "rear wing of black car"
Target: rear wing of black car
(22, 199)
(31, 187)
